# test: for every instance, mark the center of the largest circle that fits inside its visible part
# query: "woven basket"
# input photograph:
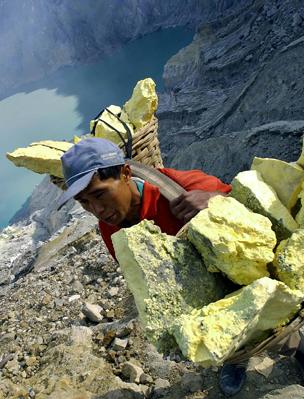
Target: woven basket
(145, 145)
(145, 149)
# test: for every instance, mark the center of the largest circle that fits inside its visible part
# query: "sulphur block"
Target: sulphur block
(166, 276)
(143, 103)
(289, 261)
(285, 178)
(41, 157)
(233, 240)
(249, 188)
(208, 336)
(108, 125)
(300, 161)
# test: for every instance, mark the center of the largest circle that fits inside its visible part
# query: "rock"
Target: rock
(13, 366)
(73, 298)
(296, 20)
(41, 157)
(233, 240)
(249, 188)
(77, 286)
(105, 122)
(288, 262)
(285, 178)
(142, 105)
(81, 336)
(208, 336)
(165, 274)
(92, 312)
(192, 382)
(290, 392)
(132, 372)
(145, 379)
(160, 387)
(264, 366)
(120, 344)
(113, 291)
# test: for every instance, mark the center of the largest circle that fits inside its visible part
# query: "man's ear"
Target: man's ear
(126, 172)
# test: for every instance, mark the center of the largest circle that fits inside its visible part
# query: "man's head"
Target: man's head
(97, 176)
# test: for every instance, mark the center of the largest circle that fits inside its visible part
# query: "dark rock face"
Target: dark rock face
(38, 37)
(241, 71)
(231, 153)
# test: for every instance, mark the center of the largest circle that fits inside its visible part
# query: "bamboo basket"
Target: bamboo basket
(145, 145)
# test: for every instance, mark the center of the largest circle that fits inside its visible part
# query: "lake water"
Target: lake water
(62, 105)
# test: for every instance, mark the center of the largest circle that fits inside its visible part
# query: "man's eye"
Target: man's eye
(99, 194)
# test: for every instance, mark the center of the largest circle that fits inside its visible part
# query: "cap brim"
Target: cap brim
(75, 189)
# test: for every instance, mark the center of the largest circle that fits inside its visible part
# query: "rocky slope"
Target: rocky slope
(242, 71)
(38, 37)
(69, 331)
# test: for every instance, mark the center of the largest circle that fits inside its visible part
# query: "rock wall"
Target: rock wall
(241, 71)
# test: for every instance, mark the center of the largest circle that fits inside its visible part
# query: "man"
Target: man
(98, 176)
(100, 179)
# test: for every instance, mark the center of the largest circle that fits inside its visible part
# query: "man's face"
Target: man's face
(110, 200)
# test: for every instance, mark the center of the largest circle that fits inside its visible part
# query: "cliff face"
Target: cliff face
(241, 71)
(38, 36)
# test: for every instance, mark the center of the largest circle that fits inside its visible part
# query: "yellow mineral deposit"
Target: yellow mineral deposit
(105, 122)
(289, 261)
(142, 105)
(285, 178)
(210, 335)
(41, 157)
(165, 274)
(249, 188)
(233, 240)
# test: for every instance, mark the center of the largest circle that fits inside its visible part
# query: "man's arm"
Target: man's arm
(187, 205)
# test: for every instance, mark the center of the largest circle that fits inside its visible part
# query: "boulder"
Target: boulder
(209, 335)
(41, 157)
(249, 188)
(289, 259)
(166, 276)
(106, 121)
(140, 108)
(233, 240)
(285, 178)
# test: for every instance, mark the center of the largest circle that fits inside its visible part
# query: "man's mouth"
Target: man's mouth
(110, 219)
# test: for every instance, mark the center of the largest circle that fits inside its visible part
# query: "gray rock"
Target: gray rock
(119, 344)
(192, 382)
(92, 312)
(132, 372)
(290, 392)
(161, 386)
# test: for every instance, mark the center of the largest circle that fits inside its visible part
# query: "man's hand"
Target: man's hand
(189, 204)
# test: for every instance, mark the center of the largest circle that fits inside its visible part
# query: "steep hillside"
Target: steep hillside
(241, 71)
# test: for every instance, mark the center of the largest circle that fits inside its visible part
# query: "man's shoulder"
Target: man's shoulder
(195, 179)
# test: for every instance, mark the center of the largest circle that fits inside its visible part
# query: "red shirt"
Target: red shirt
(156, 207)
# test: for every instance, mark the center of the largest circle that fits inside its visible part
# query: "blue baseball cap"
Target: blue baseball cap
(81, 162)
